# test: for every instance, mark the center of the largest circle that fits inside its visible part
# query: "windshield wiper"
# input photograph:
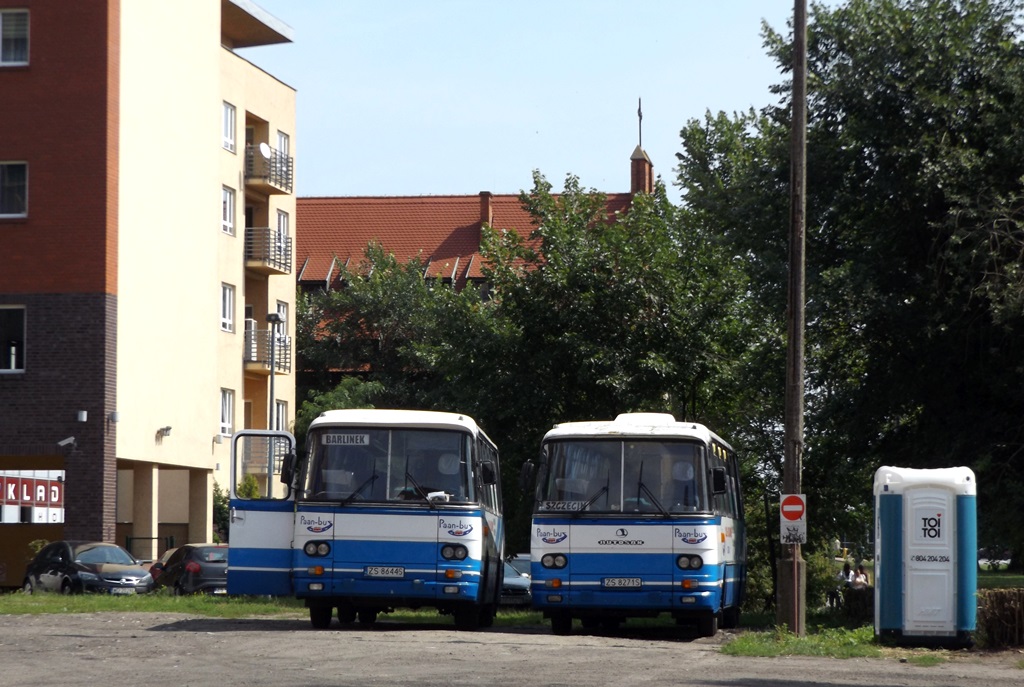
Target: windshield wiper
(641, 487)
(369, 480)
(589, 502)
(417, 489)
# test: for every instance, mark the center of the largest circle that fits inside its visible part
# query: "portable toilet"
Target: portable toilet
(926, 555)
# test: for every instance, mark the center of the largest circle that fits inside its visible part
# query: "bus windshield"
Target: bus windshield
(615, 476)
(350, 464)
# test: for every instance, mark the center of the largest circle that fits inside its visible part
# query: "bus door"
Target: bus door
(262, 515)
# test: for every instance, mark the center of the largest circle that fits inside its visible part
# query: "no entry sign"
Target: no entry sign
(793, 519)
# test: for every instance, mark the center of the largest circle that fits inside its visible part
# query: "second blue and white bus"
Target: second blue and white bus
(385, 509)
(637, 517)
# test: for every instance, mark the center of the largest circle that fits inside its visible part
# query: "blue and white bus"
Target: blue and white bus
(386, 509)
(637, 517)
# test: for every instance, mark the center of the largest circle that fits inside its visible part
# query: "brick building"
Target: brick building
(146, 220)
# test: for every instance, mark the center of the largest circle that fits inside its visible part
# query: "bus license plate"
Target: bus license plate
(384, 571)
(621, 582)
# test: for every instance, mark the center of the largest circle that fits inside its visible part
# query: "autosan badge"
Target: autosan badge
(316, 525)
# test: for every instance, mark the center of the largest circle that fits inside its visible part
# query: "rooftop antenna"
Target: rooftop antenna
(640, 122)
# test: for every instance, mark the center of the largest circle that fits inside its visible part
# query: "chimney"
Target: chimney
(486, 211)
(641, 177)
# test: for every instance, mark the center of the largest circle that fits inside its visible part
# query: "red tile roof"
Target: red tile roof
(443, 230)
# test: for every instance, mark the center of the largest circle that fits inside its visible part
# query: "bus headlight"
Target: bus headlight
(554, 560)
(454, 552)
(316, 548)
(686, 562)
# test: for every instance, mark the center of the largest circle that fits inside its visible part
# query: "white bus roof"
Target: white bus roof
(421, 419)
(635, 425)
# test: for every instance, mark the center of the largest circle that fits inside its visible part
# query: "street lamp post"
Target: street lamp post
(275, 319)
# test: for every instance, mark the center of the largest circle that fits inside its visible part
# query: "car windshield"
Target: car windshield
(98, 554)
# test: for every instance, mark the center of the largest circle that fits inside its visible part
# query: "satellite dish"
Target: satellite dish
(265, 150)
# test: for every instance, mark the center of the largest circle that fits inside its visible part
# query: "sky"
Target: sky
(439, 97)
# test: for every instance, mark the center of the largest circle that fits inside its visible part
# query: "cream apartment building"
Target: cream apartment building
(147, 216)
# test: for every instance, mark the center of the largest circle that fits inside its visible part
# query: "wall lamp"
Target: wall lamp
(163, 432)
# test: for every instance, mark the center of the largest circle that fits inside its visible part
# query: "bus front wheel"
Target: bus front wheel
(561, 624)
(707, 625)
(320, 616)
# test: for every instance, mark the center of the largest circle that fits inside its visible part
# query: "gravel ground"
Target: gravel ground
(113, 649)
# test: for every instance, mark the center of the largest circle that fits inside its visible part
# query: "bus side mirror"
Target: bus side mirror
(487, 473)
(288, 468)
(718, 480)
(526, 475)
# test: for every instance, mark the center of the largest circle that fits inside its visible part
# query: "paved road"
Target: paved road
(114, 649)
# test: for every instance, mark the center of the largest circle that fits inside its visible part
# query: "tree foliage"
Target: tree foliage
(914, 240)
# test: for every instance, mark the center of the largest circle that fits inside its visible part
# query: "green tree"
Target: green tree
(914, 245)
(248, 488)
(221, 513)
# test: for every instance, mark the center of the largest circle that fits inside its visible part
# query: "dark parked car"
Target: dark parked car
(515, 589)
(71, 567)
(196, 568)
(156, 567)
(521, 562)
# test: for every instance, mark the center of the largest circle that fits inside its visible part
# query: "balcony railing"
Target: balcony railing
(259, 453)
(268, 168)
(266, 248)
(257, 350)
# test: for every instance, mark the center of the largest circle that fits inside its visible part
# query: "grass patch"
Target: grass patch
(926, 660)
(992, 579)
(835, 642)
(18, 603)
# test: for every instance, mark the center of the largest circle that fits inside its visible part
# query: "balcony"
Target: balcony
(258, 347)
(259, 453)
(268, 170)
(267, 251)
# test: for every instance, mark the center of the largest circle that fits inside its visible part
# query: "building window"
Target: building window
(227, 411)
(281, 236)
(227, 211)
(13, 189)
(229, 127)
(13, 38)
(12, 339)
(227, 307)
(280, 416)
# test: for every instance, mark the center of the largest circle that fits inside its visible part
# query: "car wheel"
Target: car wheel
(27, 587)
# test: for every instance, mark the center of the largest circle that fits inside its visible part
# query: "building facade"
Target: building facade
(146, 221)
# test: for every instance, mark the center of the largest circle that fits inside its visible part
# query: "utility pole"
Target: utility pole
(792, 587)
